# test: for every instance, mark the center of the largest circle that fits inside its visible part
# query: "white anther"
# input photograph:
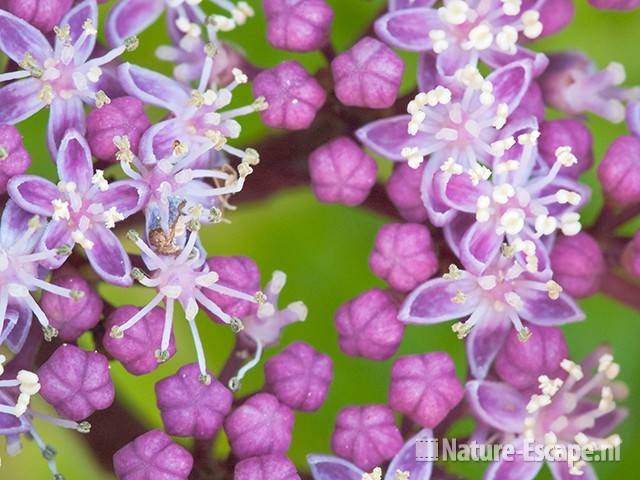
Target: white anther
(479, 173)
(99, 180)
(530, 139)
(80, 239)
(239, 76)
(111, 217)
(439, 41)
(94, 74)
(570, 223)
(537, 402)
(507, 39)
(60, 209)
(454, 273)
(507, 166)
(483, 212)
(502, 113)
(572, 369)
(617, 72)
(565, 157)
(502, 193)
(513, 299)
(500, 146)
(451, 167)
(480, 37)
(455, 12)
(549, 386)
(553, 289)
(545, 225)
(486, 97)
(412, 154)
(511, 7)
(532, 25)
(512, 221)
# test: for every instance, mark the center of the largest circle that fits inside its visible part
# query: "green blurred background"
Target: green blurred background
(324, 251)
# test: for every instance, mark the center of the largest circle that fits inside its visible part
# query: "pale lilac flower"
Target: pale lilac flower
(14, 159)
(404, 465)
(84, 208)
(42, 14)
(619, 171)
(182, 275)
(21, 274)
(580, 410)
(572, 83)
(62, 77)
(461, 32)
(131, 17)
(266, 467)
(298, 25)
(468, 122)
(494, 299)
(578, 264)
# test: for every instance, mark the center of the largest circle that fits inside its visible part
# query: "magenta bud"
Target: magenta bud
(631, 256)
(72, 316)
(14, 159)
(403, 255)
(294, 96)
(555, 15)
(124, 116)
(260, 426)
(425, 387)
(299, 376)
(190, 408)
(76, 382)
(403, 189)
(266, 467)
(42, 14)
(521, 363)
(571, 133)
(615, 4)
(239, 273)
(341, 172)
(298, 25)
(367, 75)
(578, 264)
(139, 348)
(368, 326)
(367, 436)
(619, 171)
(152, 455)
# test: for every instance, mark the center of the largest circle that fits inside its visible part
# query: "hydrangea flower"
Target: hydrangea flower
(461, 32)
(61, 77)
(84, 208)
(499, 296)
(579, 410)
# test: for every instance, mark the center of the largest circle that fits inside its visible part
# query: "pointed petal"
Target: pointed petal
(543, 311)
(453, 59)
(128, 196)
(484, 342)
(409, 29)
(74, 161)
(511, 82)
(498, 404)
(460, 193)
(513, 468)
(15, 221)
(406, 459)
(107, 257)
(389, 136)
(560, 471)
(480, 245)
(18, 37)
(431, 302)
(400, 4)
(33, 194)
(431, 192)
(65, 115)
(152, 87)
(10, 424)
(75, 18)
(20, 332)
(496, 58)
(328, 467)
(19, 100)
(130, 17)
(55, 235)
(157, 141)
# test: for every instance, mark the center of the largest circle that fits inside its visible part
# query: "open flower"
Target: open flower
(61, 77)
(501, 295)
(83, 207)
(580, 410)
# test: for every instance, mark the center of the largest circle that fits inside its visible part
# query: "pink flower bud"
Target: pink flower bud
(299, 376)
(368, 326)
(403, 255)
(366, 436)
(521, 363)
(341, 172)
(367, 75)
(139, 347)
(42, 14)
(425, 387)
(555, 15)
(123, 116)
(619, 171)
(403, 189)
(152, 455)
(298, 25)
(190, 408)
(578, 264)
(571, 133)
(294, 96)
(260, 426)
(14, 159)
(76, 382)
(72, 317)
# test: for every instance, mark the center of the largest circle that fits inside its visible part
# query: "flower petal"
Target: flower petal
(455, 230)
(157, 141)
(107, 257)
(10, 424)
(65, 115)
(33, 194)
(152, 87)
(431, 192)
(14, 222)
(560, 471)
(389, 136)
(513, 468)
(409, 29)
(543, 311)
(74, 161)
(406, 459)
(511, 82)
(498, 404)
(400, 4)
(55, 235)
(459, 192)
(19, 100)
(17, 338)
(484, 342)
(75, 18)
(128, 196)
(18, 37)
(480, 245)
(328, 467)
(431, 302)
(453, 59)
(428, 77)
(496, 58)
(130, 17)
